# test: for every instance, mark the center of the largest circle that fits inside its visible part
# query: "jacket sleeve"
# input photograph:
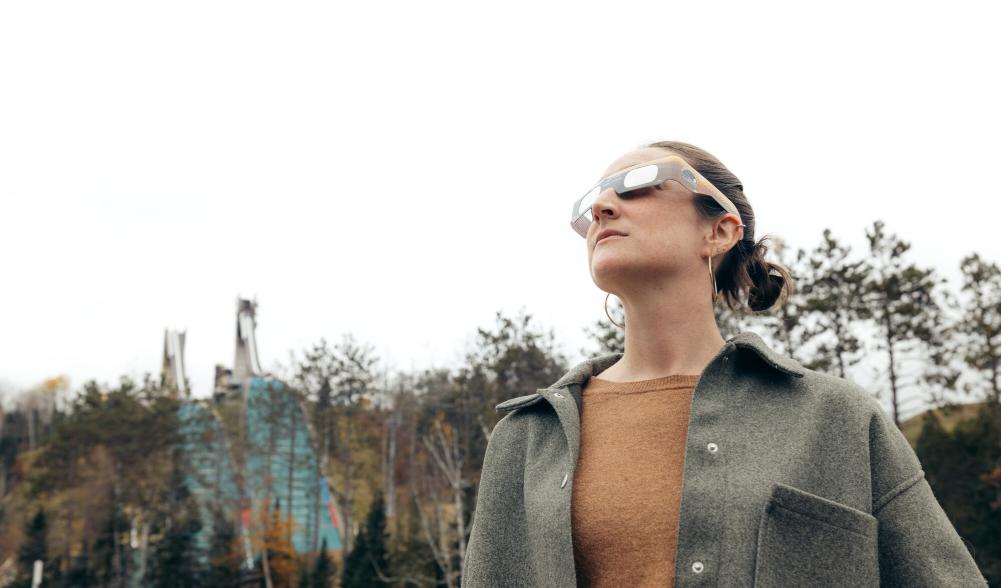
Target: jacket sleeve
(497, 553)
(918, 545)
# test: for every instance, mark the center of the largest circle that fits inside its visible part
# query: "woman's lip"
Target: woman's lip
(608, 237)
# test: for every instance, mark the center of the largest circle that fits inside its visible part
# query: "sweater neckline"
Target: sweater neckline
(672, 382)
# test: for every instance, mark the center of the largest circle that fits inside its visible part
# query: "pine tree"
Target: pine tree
(323, 569)
(833, 293)
(514, 358)
(959, 465)
(413, 558)
(175, 558)
(909, 320)
(981, 324)
(175, 563)
(367, 563)
(107, 560)
(34, 547)
(80, 572)
(224, 553)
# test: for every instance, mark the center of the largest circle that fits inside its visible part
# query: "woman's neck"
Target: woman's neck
(665, 338)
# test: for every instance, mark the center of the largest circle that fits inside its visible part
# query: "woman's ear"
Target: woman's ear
(726, 232)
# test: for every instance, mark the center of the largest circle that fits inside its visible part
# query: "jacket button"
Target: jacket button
(712, 447)
(564, 482)
(558, 395)
(697, 567)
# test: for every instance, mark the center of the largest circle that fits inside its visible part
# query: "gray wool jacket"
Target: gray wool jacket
(792, 477)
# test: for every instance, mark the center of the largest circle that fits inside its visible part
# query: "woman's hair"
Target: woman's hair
(743, 268)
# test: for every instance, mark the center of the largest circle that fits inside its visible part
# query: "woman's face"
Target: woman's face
(663, 233)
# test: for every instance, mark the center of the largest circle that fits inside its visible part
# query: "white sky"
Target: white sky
(402, 171)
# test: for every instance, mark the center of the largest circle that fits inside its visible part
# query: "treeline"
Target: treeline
(92, 485)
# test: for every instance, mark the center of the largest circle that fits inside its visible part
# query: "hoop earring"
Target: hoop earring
(610, 316)
(713, 278)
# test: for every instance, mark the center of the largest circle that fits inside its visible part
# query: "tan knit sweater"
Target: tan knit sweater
(627, 485)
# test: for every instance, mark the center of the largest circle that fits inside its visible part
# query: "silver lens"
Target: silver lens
(640, 175)
(587, 201)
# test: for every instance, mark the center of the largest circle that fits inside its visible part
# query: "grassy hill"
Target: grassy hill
(948, 416)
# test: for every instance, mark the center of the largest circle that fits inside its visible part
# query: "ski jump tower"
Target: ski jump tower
(280, 466)
(173, 377)
(209, 474)
(246, 362)
(269, 461)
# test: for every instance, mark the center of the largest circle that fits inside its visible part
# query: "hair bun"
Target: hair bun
(765, 292)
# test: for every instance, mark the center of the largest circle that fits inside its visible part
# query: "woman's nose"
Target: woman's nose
(606, 200)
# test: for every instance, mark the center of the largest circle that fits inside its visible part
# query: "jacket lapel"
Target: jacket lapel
(565, 397)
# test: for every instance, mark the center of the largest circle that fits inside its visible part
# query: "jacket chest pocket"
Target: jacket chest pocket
(807, 540)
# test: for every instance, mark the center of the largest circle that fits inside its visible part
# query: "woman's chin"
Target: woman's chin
(609, 268)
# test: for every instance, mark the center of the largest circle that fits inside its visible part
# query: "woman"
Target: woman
(689, 459)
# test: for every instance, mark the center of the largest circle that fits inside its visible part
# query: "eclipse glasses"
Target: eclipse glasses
(640, 180)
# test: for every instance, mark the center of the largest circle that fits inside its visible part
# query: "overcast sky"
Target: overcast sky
(401, 171)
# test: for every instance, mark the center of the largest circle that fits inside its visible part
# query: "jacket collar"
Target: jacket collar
(580, 373)
(565, 394)
(575, 378)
